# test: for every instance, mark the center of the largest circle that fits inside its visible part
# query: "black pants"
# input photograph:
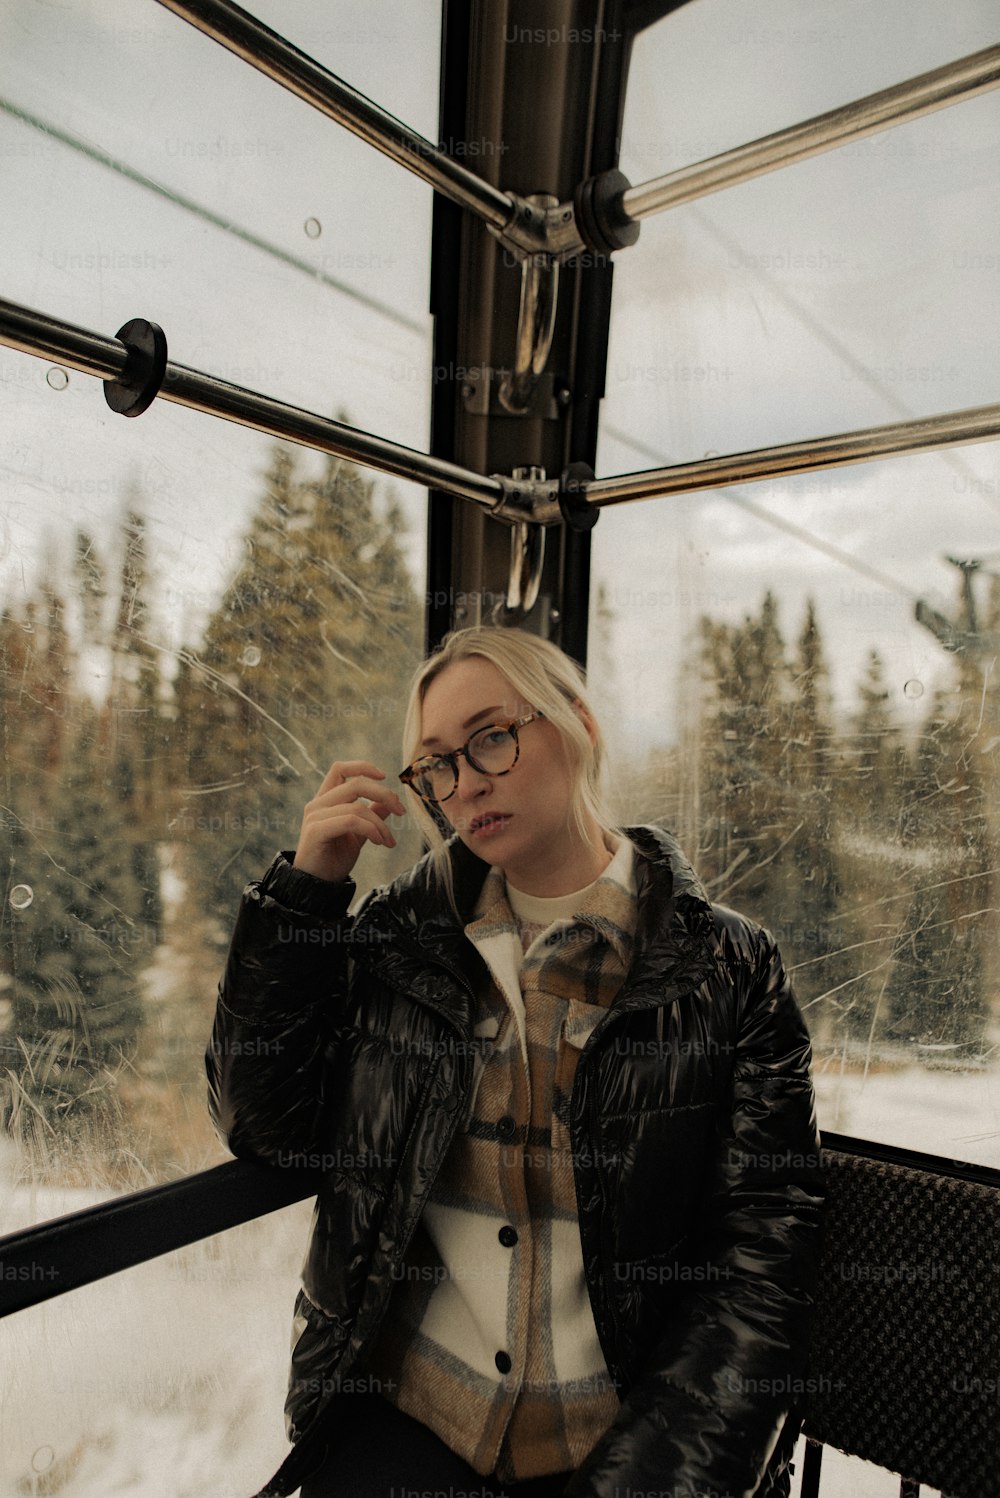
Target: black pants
(384, 1453)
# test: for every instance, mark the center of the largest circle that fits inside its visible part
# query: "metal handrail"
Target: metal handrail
(922, 434)
(51, 1258)
(68, 1252)
(553, 230)
(952, 83)
(47, 337)
(508, 499)
(278, 59)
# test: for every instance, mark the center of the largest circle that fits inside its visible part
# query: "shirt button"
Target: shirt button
(503, 1362)
(507, 1236)
(506, 1127)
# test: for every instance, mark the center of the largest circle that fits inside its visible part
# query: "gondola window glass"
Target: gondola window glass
(195, 619)
(830, 762)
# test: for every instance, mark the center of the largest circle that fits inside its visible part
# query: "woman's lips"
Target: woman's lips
(493, 825)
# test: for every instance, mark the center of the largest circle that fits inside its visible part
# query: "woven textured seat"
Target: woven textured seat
(904, 1365)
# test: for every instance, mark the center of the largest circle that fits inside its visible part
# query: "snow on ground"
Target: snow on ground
(955, 1114)
(167, 1380)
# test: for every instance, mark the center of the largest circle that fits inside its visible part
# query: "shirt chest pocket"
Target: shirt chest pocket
(580, 1021)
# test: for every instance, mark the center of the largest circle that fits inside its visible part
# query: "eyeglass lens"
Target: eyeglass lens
(492, 750)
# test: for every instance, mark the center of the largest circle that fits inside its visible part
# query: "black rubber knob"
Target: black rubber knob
(578, 514)
(603, 224)
(138, 385)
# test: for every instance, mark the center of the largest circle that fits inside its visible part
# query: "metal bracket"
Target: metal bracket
(535, 226)
(595, 220)
(531, 497)
(527, 496)
(530, 503)
(481, 396)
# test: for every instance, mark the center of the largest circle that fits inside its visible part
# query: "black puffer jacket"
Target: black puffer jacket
(693, 1128)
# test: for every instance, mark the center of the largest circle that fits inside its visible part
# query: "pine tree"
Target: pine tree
(760, 768)
(306, 659)
(90, 585)
(935, 997)
(815, 940)
(36, 705)
(133, 727)
(75, 1004)
(872, 756)
(744, 762)
(75, 925)
(872, 780)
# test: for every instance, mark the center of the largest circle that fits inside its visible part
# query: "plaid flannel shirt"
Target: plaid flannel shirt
(489, 1338)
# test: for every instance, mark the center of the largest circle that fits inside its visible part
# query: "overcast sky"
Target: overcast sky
(849, 291)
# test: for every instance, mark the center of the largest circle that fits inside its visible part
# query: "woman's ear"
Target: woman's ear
(586, 718)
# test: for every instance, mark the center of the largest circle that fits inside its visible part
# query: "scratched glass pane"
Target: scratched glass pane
(195, 620)
(89, 1409)
(829, 759)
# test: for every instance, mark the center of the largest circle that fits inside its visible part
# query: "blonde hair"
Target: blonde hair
(550, 681)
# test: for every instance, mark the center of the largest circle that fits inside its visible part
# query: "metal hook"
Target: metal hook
(527, 558)
(536, 320)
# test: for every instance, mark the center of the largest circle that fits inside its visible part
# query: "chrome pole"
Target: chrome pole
(950, 84)
(925, 434)
(277, 58)
(48, 338)
(32, 332)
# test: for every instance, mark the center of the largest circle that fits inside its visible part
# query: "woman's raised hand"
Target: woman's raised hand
(348, 810)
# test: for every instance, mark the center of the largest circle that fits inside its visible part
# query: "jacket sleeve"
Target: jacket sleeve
(284, 982)
(704, 1416)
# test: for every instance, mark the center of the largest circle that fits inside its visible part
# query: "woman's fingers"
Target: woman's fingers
(343, 769)
(344, 789)
(358, 821)
(348, 810)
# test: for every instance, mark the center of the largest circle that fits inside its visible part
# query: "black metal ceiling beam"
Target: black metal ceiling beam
(533, 90)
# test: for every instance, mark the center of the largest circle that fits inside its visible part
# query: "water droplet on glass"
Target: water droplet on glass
(313, 228)
(913, 688)
(43, 1459)
(21, 896)
(57, 379)
(250, 656)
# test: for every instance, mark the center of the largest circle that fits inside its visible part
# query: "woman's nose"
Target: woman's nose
(470, 780)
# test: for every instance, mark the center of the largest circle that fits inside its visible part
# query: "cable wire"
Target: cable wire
(93, 153)
(808, 538)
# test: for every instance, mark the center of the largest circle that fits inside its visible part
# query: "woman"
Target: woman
(568, 1226)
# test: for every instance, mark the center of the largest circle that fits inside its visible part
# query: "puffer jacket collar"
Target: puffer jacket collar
(409, 924)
